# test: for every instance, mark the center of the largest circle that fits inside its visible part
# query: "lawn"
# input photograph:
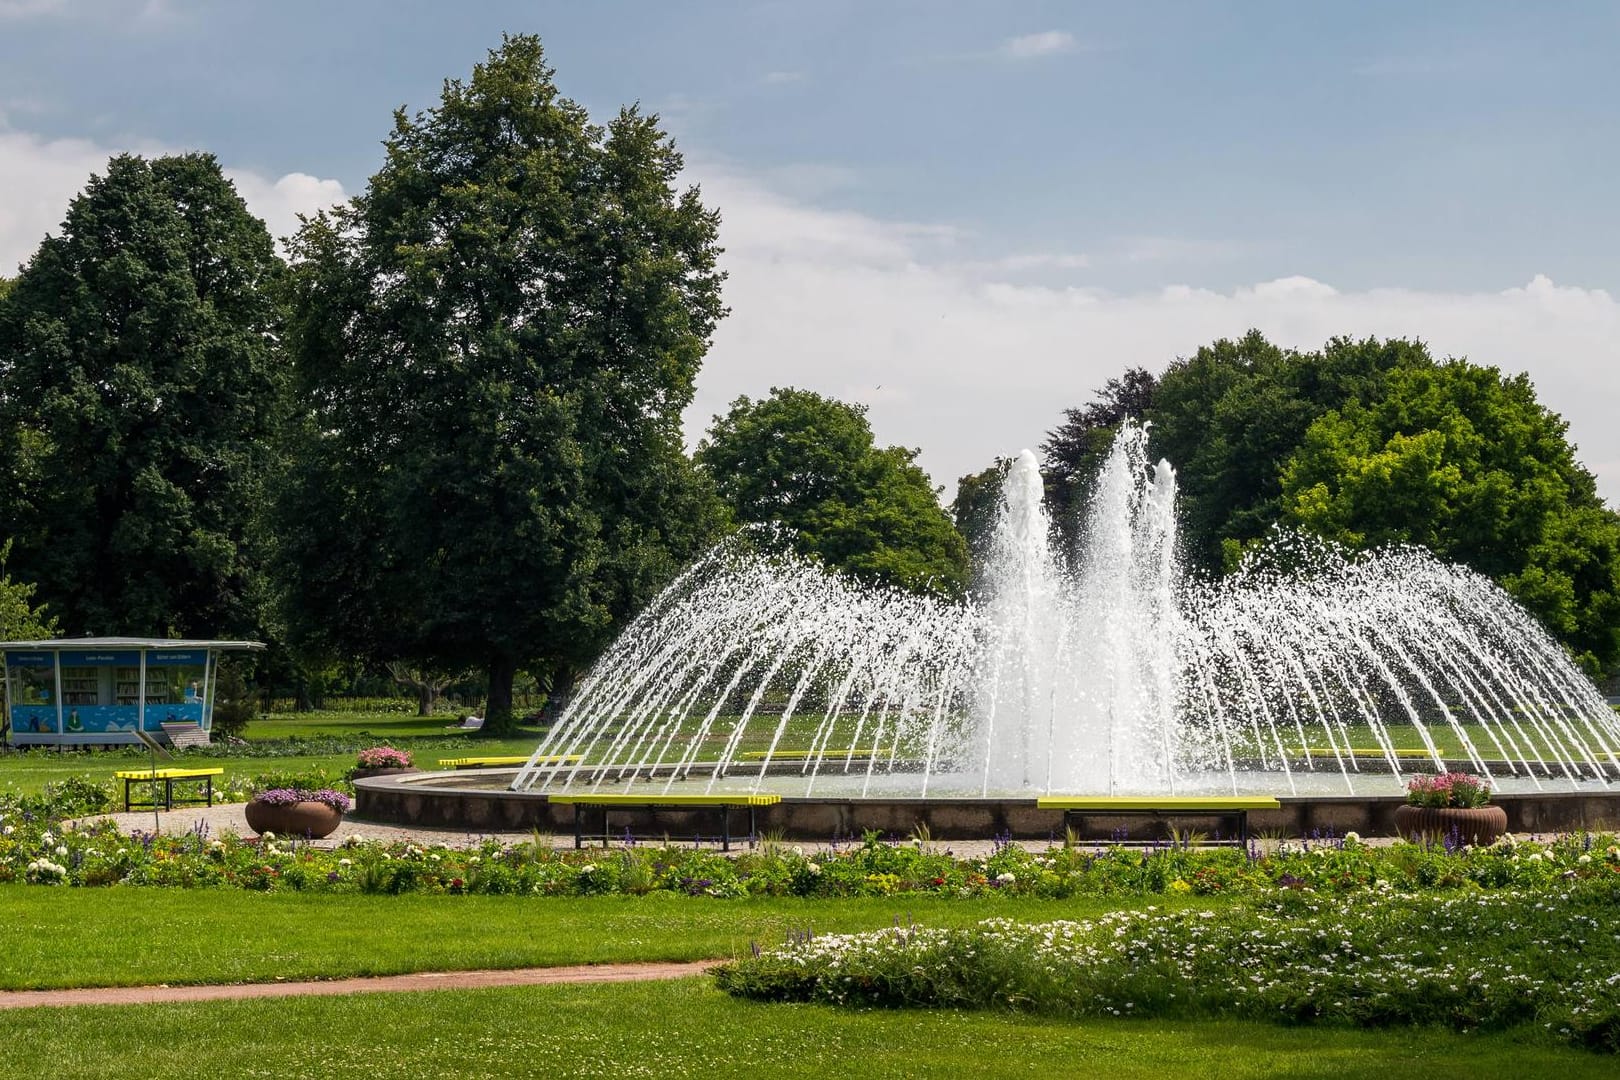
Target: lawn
(687, 1028)
(304, 743)
(122, 936)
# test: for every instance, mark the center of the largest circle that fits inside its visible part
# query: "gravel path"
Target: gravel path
(222, 817)
(423, 980)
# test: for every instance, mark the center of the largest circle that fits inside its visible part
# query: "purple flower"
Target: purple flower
(288, 796)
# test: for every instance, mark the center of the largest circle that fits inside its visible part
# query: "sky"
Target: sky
(966, 217)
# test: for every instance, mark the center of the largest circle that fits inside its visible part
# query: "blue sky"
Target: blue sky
(965, 215)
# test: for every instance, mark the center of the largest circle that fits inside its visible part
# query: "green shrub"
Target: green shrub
(1544, 954)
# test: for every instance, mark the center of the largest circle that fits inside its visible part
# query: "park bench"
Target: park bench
(183, 735)
(169, 778)
(508, 759)
(1366, 752)
(653, 801)
(1233, 808)
(803, 755)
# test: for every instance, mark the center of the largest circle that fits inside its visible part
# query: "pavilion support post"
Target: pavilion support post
(140, 708)
(56, 668)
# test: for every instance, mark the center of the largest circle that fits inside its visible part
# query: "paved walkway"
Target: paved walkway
(424, 980)
(222, 817)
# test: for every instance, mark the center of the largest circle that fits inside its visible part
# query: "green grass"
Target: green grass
(391, 726)
(83, 937)
(687, 1028)
(26, 772)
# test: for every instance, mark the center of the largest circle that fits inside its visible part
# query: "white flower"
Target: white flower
(1005, 879)
(1535, 856)
(267, 836)
(588, 868)
(814, 868)
(61, 849)
(46, 838)
(345, 862)
(1584, 859)
(9, 829)
(1352, 837)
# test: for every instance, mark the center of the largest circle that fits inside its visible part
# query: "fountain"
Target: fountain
(1310, 674)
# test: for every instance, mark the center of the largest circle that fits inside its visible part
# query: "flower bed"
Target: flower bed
(1546, 955)
(100, 855)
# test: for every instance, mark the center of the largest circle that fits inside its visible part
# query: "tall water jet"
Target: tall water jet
(1078, 687)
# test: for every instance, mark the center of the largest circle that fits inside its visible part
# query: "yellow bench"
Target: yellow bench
(801, 755)
(131, 777)
(653, 800)
(1367, 751)
(510, 759)
(1232, 807)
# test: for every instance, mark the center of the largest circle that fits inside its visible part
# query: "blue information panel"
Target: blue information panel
(95, 719)
(168, 658)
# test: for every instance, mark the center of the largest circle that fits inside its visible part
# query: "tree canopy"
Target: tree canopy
(1230, 415)
(20, 619)
(1371, 442)
(494, 342)
(811, 464)
(1074, 451)
(1465, 462)
(140, 393)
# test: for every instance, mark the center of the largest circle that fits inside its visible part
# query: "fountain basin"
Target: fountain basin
(480, 800)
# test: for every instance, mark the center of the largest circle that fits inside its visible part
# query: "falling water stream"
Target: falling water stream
(1105, 672)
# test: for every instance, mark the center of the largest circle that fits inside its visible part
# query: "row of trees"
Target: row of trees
(1366, 443)
(443, 435)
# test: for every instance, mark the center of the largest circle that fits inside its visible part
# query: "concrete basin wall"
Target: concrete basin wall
(452, 800)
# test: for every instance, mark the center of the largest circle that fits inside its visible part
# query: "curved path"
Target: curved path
(422, 980)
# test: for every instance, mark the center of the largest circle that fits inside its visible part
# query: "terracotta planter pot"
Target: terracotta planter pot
(1474, 824)
(311, 819)
(361, 774)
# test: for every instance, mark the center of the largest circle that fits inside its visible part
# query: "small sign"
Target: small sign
(170, 658)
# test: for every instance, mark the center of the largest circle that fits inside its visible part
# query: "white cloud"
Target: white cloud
(279, 202)
(971, 367)
(39, 176)
(1046, 43)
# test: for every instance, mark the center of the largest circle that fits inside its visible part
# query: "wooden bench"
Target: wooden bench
(1367, 752)
(654, 801)
(183, 735)
(1234, 808)
(509, 759)
(804, 755)
(169, 777)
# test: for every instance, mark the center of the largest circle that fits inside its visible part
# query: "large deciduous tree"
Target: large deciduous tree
(495, 341)
(809, 464)
(1466, 462)
(141, 385)
(1230, 415)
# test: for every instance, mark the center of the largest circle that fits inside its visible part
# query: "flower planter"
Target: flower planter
(1473, 824)
(311, 819)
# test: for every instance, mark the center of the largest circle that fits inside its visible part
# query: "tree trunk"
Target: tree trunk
(427, 696)
(498, 717)
(563, 677)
